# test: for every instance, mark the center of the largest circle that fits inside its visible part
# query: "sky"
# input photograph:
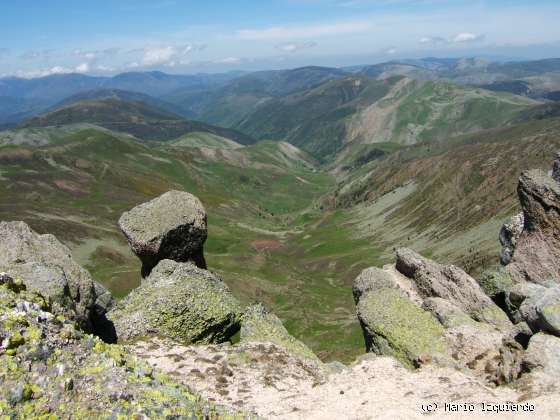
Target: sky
(103, 37)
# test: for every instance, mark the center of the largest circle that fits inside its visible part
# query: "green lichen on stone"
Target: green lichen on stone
(493, 315)
(59, 371)
(182, 302)
(394, 326)
(495, 281)
(260, 326)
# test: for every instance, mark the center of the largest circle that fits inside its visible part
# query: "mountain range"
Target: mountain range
(309, 175)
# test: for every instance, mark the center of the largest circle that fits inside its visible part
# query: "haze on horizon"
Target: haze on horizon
(106, 37)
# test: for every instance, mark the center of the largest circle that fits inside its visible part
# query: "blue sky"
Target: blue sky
(186, 36)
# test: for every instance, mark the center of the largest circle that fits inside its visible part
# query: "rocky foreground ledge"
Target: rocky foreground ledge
(438, 342)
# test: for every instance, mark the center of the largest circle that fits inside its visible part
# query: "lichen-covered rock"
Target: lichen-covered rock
(172, 226)
(49, 368)
(394, 326)
(542, 362)
(452, 284)
(509, 235)
(46, 266)
(258, 325)
(478, 346)
(544, 353)
(540, 308)
(372, 279)
(179, 301)
(496, 283)
(446, 313)
(537, 250)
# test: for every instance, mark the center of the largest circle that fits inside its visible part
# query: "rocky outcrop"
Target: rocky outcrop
(426, 313)
(536, 305)
(179, 301)
(394, 326)
(537, 249)
(260, 326)
(450, 283)
(47, 267)
(542, 363)
(509, 235)
(172, 226)
(50, 368)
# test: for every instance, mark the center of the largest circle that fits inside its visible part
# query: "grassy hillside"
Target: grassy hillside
(228, 104)
(447, 199)
(75, 182)
(140, 119)
(356, 110)
(316, 119)
(124, 95)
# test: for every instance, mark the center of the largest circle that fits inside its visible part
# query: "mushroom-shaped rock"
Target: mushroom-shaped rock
(172, 226)
(46, 266)
(181, 302)
(260, 326)
(451, 283)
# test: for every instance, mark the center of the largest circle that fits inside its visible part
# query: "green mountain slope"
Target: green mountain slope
(124, 95)
(136, 118)
(316, 119)
(228, 104)
(75, 181)
(356, 110)
(446, 199)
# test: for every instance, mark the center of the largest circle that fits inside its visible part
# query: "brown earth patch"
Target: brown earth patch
(71, 187)
(266, 245)
(15, 155)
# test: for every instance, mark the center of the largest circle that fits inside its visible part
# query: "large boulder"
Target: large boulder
(542, 362)
(395, 326)
(181, 302)
(372, 279)
(172, 226)
(537, 249)
(538, 306)
(452, 284)
(260, 326)
(46, 266)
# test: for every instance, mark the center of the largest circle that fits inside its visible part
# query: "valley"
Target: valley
(319, 174)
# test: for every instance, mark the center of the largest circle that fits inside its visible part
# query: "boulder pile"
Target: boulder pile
(422, 313)
(504, 328)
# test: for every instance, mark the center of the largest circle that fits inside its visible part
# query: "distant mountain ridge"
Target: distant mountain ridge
(142, 120)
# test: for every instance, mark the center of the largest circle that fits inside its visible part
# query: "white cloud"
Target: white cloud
(433, 40)
(37, 55)
(82, 68)
(103, 68)
(95, 54)
(464, 37)
(30, 74)
(296, 46)
(168, 55)
(303, 31)
(391, 51)
(228, 60)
